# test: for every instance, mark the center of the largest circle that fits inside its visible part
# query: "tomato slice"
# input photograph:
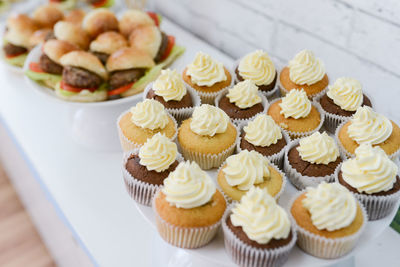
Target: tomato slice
(14, 55)
(171, 43)
(120, 90)
(100, 3)
(74, 89)
(34, 66)
(154, 17)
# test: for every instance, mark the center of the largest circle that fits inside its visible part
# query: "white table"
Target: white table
(83, 191)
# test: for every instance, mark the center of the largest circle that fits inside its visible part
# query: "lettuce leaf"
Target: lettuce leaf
(17, 61)
(47, 79)
(108, 3)
(65, 93)
(176, 52)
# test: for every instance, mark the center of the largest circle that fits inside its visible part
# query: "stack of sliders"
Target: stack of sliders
(97, 57)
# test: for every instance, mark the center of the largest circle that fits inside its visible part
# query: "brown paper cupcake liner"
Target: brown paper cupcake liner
(179, 114)
(209, 161)
(264, 103)
(377, 207)
(184, 237)
(323, 247)
(298, 135)
(276, 197)
(272, 94)
(246, 256)
(302, 181)
(140, 191)
(208, 97)
(347, 154)
(127, 144)
(276, 158)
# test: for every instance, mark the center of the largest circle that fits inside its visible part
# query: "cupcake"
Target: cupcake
(258, 67)
(368, 126)
(146, 168)
(207, 76)
(312, 160)
(246, 169)
(296, 114)
(208, 137)
(143, 121)
(170, 90)
(257, 231)
(373, 179)
(263, 135)
(188, 208)
(341, 101)
(242, 102)
(329, 220)
(304, 71)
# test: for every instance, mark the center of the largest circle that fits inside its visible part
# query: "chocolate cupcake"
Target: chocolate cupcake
(263, 135)
(242, 102)
(258, 67)
(146, 168)
(170, 90)
(257, 231)
(341, 101)
(373, 179)
(312, 160)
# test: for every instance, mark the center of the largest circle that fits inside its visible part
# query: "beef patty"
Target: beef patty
(123, 77)
(49, 66)
(81, 78)
(10, 49)
(101, 56)
(163, 47)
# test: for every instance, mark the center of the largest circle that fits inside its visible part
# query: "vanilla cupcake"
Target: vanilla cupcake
(207, 76)
(306, 72)
(188, 208)
(246, 169)
(170, 90)
(257, 230)
(208, 137)
(263, 135)
(368, 126)
(242, 102)
(258, 67)
(341, 101)
(145, 169)
(373, 179)
(143, 121)
(329, 220)
(296, 114)
(312, 160)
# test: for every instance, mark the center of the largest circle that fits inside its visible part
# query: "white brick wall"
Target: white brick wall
(358, 38)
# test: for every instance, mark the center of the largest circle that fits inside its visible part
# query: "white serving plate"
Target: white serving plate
(214, 253)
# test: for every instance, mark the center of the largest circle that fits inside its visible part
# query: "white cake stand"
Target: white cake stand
(214, 255)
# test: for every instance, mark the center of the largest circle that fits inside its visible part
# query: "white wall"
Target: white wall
(358, 38)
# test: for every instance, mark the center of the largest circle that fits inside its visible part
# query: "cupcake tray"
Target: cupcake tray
(214, 253)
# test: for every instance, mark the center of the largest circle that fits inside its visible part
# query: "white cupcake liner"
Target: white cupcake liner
(276, 158)
(276, 197)
(332, 120)
(139, 190)
(394, 156)
(377, 207)
(323, 247)
(179, 114)
(264, 103)
(298, 135)
(209, 161)
(271, 94)
(184, 237)
(302, 181)
(246, 256)
(284, 91)
(128, 145)
(208, 97)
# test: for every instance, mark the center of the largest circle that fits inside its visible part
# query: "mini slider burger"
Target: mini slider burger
(107, 43)
(16, 39)
(39, 36)
(100, 3)
(49, 69)
(83, 78)
(75, 16)
(134, 18)
(47, 15)
(98, 21)
(72, 33)
(129, 75)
